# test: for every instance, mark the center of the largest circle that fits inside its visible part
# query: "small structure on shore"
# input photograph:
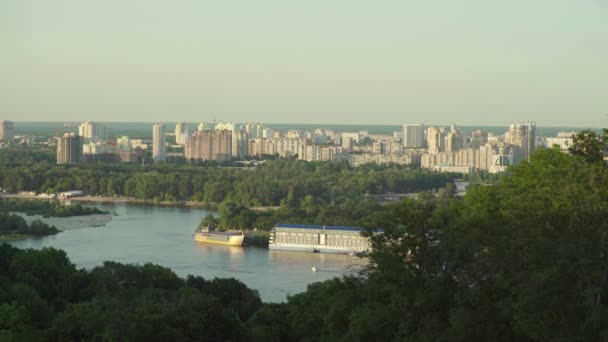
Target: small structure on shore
(70, 194)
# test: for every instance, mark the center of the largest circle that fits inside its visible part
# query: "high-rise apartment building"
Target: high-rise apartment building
(159, 150)
(454, 140)
(524, 136)
(7, 130)
(254, 130)
(92, 130)
(209, 145)
(239, 140)
(123, 144)
(436, 139)
(69, 149)
(181, 133)
(413, 135)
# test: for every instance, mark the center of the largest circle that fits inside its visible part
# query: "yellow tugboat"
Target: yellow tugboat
(210, 235)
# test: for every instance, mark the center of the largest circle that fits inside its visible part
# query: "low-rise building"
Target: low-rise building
(313, 238)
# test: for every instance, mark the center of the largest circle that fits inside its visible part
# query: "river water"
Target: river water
(164, 236)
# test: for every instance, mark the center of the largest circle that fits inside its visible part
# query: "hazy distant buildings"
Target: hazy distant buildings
(69, 149)
(479, 138)
(239, 137)
(181, 133)
(454, 140)
(254, 130)
(7, 130)
(413, 135)
(159, 149)
(524, 136)
(436, 139)
(92, 130)
(123, 144)
(564, 140)
(482, 153)
(209, 145)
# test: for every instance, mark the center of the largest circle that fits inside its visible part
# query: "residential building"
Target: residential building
(479, 138)
(239, 145)
(524, 136)
(69, 149)
(454, 140)
(413, 135)
(564, 140)
(436, 139)
(209, 145)
(123, 144)
(159, 149)
(7, 130)
(91, 130)
(181, 133)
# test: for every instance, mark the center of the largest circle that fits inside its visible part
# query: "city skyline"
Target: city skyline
(483, 63)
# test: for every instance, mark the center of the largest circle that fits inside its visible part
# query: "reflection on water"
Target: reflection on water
(164, 236)
(231, 252)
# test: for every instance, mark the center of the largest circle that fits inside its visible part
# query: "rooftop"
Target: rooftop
(312, 226)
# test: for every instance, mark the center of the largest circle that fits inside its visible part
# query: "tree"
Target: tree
(590, 146)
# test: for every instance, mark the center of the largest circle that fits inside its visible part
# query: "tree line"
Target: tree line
(268, 184)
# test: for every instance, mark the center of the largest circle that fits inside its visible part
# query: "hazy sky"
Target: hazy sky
(384, 62)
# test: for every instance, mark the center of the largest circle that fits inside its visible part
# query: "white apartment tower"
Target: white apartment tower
(90, 130)
(413, 135)
(159, 151)
(181, 133)
(7, 130)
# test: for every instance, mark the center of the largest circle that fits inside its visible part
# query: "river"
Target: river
(164, 236)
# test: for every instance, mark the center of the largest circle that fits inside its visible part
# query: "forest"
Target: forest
(523, 260)
(265, 185)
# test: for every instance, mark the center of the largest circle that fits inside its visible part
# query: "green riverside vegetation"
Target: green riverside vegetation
(14, 227)
(269, 184)
(48, 208)
(523, 260)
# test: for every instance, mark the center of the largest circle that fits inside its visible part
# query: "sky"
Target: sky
(469, 62)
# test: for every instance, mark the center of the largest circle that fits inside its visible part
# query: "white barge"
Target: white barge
(318, 239)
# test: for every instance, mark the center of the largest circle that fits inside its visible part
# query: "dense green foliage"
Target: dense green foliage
(264, 185)
(589, 145)
(46, 207)
(348, 213)
(44, 297)
(526, 260)
(15, 224)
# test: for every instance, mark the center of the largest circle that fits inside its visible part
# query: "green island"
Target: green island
(525, 259)
(14, 227)
(46, 208)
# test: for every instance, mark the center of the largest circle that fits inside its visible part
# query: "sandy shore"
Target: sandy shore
(72, 222)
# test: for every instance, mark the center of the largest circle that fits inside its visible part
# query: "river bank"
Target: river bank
(71, 222)
(136, 201)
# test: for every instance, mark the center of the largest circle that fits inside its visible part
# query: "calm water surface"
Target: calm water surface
(164, 236)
